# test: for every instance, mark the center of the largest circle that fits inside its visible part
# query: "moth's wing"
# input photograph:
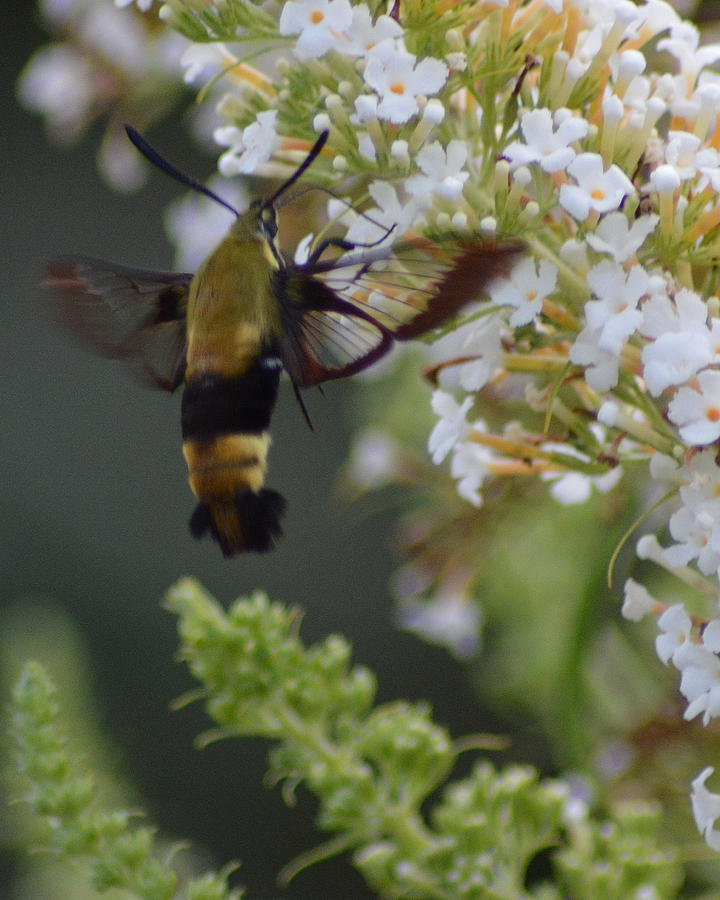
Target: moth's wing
(324, 336)
(340, 316)
(129, 314)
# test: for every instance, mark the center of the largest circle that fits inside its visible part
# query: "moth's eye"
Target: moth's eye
(268, 222)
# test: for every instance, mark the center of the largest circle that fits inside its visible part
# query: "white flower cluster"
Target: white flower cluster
(698, 661)
(104, 59)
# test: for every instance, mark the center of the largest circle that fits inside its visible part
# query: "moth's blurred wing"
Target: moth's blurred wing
(129, 314)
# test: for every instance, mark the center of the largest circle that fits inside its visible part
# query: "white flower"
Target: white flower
(672, 359)
(249, 148)
(700, 681)
(574, 253)
(648, 547)
(637, 97)
(450, 618)
(697, 412)
(602, 368)
(616, 237)
(456, 61)
(615, 316)
(318, 22)
(123, 168)
(609, 414)
(363, 34)
(706, 809)
(198, 57)
(683, 44)
(665, 470)
(682, 344)
(597, 189)
(480, 343)
(627, 65)
(686, 312)
(394, 74)
(302, 250)
(116, 36)
(452, 426)
(373, 459)
(638, 601)
(611, 321)
(694, 529)
(469, 468)
(443, 168)
(695, 526)
(547, 139)
(525, 288)
(143, 5)
(657, 16)
(665, 179)
(675, 626)
(366, 106)
(683, 152)
(573, 488)
(366, 146)
(376, 222)
(60, 83)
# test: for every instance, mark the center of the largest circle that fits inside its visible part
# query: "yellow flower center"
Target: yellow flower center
(316, 16)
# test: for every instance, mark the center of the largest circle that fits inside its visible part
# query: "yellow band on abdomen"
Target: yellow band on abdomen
(224, 465)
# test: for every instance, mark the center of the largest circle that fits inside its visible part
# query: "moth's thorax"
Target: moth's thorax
(232, 312)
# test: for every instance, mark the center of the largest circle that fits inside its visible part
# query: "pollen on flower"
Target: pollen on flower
(316, 16)
(713, 414)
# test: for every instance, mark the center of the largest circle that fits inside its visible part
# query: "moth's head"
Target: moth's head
(266, 217)
(259, 221)
(261, 217)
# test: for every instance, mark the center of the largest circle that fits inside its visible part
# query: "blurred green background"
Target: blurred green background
(94, 526)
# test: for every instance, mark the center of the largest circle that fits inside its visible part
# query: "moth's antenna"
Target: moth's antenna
(308, 161)
(350, 205)
(154, 157)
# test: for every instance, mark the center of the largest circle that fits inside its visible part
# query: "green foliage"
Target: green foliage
(373, 771)
(230, 20)
(622, 861)
(118, 852)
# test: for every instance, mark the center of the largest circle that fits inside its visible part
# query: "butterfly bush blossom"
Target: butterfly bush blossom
(106, 62)
(589, 130)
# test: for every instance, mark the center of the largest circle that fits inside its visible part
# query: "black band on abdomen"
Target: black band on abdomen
(214, 404)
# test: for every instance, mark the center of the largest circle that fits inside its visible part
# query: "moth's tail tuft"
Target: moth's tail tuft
(248, 521)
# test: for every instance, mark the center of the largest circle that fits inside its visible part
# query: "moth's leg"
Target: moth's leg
(342, 244)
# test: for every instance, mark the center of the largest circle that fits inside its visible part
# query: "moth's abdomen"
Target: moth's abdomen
(225, 424)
